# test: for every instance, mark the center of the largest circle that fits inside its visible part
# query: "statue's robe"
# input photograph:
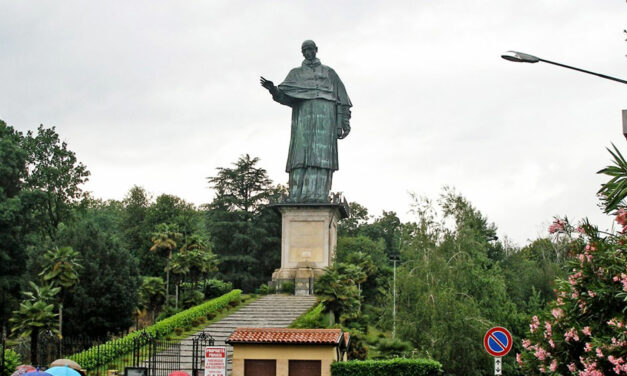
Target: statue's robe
(320, 106)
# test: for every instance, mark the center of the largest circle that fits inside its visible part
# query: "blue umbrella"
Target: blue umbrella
(62, 371)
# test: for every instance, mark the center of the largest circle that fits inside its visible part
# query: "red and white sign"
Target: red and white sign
(497, 341)
(215, 361)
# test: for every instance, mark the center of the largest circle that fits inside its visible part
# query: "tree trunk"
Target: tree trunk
(34, 339)
(176, 304)
(61, 319)
(167, 281)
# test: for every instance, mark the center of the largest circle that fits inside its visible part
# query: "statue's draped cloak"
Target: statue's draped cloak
(318, 100)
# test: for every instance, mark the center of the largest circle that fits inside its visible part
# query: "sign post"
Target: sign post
(215, 361)
(497, 342)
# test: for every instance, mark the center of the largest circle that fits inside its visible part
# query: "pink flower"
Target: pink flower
(547, 330)
(557, 312)
(587, 347)
(586, 331)
(553, 366)
(599, 353)
(591, 293)
(551, 343)
(571, 334)
(535, 324)
(556, 226)
(526, 344)
(621, 217)
(519, 359)
(572, 367)
(541, 353)
(581, 230)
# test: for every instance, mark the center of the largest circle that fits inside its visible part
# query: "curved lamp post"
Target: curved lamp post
(520, 57)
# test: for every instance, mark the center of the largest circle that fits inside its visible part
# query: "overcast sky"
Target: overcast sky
(161, 93)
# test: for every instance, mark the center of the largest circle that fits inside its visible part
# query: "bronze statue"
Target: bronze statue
(320, 116)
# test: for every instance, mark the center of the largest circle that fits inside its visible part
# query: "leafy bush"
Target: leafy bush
(102, 354)
(11, 361)
(215, 287)
(288, 287)
(191, 298)
(584, 331)
(394, 367)
(312, 319)
(178, 331)
(263, 289)
(168, 312)
(392, 348)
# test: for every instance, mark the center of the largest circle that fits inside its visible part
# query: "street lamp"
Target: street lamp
(394, 259)
(520, 57)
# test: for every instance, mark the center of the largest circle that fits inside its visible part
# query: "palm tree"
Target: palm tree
(36, 314)
(61, 268)
(179, 266)
(164, 238)
(614, 192)
(151, 294)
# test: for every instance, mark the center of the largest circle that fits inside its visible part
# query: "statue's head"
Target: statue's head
(309, 49)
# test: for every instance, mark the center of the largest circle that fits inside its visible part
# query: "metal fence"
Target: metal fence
(101, 358)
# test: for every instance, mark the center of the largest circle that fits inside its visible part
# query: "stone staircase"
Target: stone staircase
(270, 311)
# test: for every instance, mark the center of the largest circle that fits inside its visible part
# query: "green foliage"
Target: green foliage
(61, 267)
(90, 359)
(395, 367)
(191, 298)
(216, 287)
(288, 287)
(450, 286)
(614, 191)
(393, 348)
(337, 288)
(54, 171)
(584, 330)
(106, 297)
(244, 230)
(312, 319)
(33, 316)
(263, 289)
(152, 294)
(11, 361)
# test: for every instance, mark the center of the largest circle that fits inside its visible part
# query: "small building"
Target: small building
(286, 352)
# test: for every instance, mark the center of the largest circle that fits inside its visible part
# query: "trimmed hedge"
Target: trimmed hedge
(107, 352)
(392, 367)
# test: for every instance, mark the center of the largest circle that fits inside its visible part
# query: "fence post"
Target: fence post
(4, 335)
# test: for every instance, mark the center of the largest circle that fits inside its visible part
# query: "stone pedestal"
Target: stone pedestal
(308, 240)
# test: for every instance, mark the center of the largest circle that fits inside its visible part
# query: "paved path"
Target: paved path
(270, 311)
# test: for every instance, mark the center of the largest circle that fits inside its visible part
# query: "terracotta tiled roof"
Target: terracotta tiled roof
(286, 336)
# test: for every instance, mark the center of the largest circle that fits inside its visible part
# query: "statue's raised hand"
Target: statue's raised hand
(266, 83)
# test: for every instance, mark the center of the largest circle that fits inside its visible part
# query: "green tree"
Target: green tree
(61, 269)
(338, 291)
(36, 314)
(104, 301)
(164, 239)
(56, 174)
(244, 231)
(14, 218)
(151, 295)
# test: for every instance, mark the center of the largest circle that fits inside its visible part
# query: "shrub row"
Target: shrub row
(393, 367)
(311, 319)
(107, 352)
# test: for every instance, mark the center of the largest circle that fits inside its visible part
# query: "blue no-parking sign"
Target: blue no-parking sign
(497, 341)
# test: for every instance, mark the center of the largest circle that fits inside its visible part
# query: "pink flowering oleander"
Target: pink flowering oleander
(551, 343)
(621, 217)
(599, 353)
(571, 334)
(526, 344)
(541, 353)
(587, 347)
(592, 294)
(557, 312)
(553, 366)
(547, 329)
(572, 367)
(519, 359)
(586, 331)
(535, 324)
